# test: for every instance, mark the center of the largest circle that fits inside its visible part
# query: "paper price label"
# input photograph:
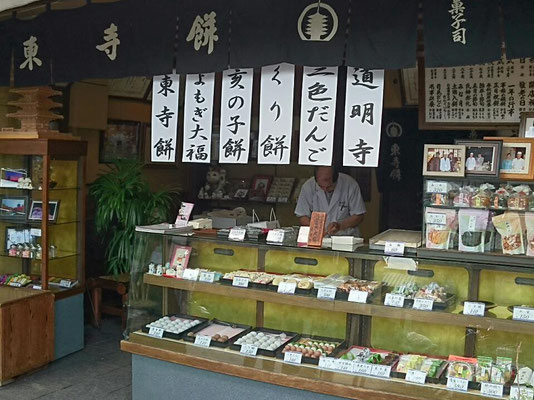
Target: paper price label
(249, 349)
(492, 389)
(275, 236)
(458, 384)
(362, 368)
(327, 362)
(15, 284)
(521, 393)
(394, 300)
(282, 199)
(423, 304)
(155, 332)
(293, 357)
(436, 187)
(474, 308)
(208, 277)
(382, 371)
(240, 281)
(415, 376)
(203, 341)
(344, 365)
(37, 287)
(64, 283)
(326, 293)
(271, 199)
(358, 296)
(287, 287)
(394, 248)
(237, 234)
(190, 274)
(35, 232)
(436, 219)
(524, 314)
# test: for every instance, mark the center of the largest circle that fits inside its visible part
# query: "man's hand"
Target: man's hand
(333, 228)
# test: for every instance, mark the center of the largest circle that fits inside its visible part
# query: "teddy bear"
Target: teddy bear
(215, 186)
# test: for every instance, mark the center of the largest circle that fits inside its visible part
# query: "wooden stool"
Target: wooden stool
(118, 284)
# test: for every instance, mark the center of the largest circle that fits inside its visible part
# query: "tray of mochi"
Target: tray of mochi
(221, 333)
(269, 341)
(177, 325)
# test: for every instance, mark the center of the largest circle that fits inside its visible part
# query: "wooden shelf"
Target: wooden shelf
(275, 371)
(372, 310)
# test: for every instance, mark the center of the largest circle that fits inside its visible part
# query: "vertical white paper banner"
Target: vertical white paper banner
(276, 114)
(165, 91)
(363, 117)
(318, 110)
(198, 115)
(236, 104)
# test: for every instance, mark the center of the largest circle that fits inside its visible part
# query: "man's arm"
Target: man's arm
(304, 220)
(351, 222)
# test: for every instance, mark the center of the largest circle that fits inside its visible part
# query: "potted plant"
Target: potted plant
(124, 200)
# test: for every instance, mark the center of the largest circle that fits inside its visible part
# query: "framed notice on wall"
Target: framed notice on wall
(487, 96)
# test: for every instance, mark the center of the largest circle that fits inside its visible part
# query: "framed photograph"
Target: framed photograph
(444, 160)
(180, 256)
(121, 140)
(260, 187)
(240, 194)
(36, 210)
(482, 158)
(516, 158)
(10, 177)
(526, 125)
(14, 208)
(16, 235)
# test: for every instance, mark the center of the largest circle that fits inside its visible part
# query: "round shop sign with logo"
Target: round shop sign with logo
(317, 22)
(393, 130)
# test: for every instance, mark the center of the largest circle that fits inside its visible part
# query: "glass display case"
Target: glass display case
(344, 324)
(42, 177)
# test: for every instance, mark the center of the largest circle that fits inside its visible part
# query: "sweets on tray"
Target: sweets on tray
(410, 361)
(174, 324)
(302, 281)
(412, 290)
(219, 332)
(371, 356)
(462, 367)
(262, 278)
(312, 348)
(433, 367)
(359, 284)
(264, 340)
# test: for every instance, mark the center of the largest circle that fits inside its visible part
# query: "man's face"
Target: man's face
(519, 154)
(471, 154)
(325, 179)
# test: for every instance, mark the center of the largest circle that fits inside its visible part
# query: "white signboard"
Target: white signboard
(198, 114)
(236, 102)
(317, 114)
(276, 114)
(363, 117)
(165, 90)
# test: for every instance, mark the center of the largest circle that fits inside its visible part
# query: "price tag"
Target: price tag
(155, 332)
(423, 304)
(436, 187)
(293, 357)
(64, 283)
(282, 199)
(327, 362)
(394, 300)
(394, 248)
(344, 365)
(492, 389)
(362, 368)
(237, 234)
(436, 219)
(190, 274)
(521, 393)
(35, 232)
(37, 287)
(271, 199)
(15, 284)
(275, 236)
(474, 308)
(248, 349)
(382, 371)
(287, 287)
(326, 293)
(458, 384)
(524, 314)
(472, 223)
(203, 341)
(208, 277)
(240, 281)
(415, 376)
(358, 296)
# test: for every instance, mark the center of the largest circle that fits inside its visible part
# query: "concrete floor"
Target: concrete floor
(99, 371)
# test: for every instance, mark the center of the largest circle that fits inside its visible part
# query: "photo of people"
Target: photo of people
(260, 186)
(515, 159)
(445, 160)
(36, 211)
(13, 208)
(479, 159)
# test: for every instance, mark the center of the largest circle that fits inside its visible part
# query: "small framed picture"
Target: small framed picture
(10, 177)
(260, 187)
(526, 125)
(180, 257)
(121, 140)
(36, 210)
(240, 193)
(444, 160)
(14, 208)
(516, 158)
(16, 235)
(482, 158)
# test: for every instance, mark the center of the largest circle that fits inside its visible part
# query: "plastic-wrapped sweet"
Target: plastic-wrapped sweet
(464, 197)
(519, 199)
(499, 199)
(482, 197)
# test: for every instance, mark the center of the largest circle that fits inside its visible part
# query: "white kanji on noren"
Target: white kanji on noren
(111, 38)
(30, 54)
(203, 32)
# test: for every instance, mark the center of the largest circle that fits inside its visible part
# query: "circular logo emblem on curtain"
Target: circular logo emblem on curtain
(317, 22)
